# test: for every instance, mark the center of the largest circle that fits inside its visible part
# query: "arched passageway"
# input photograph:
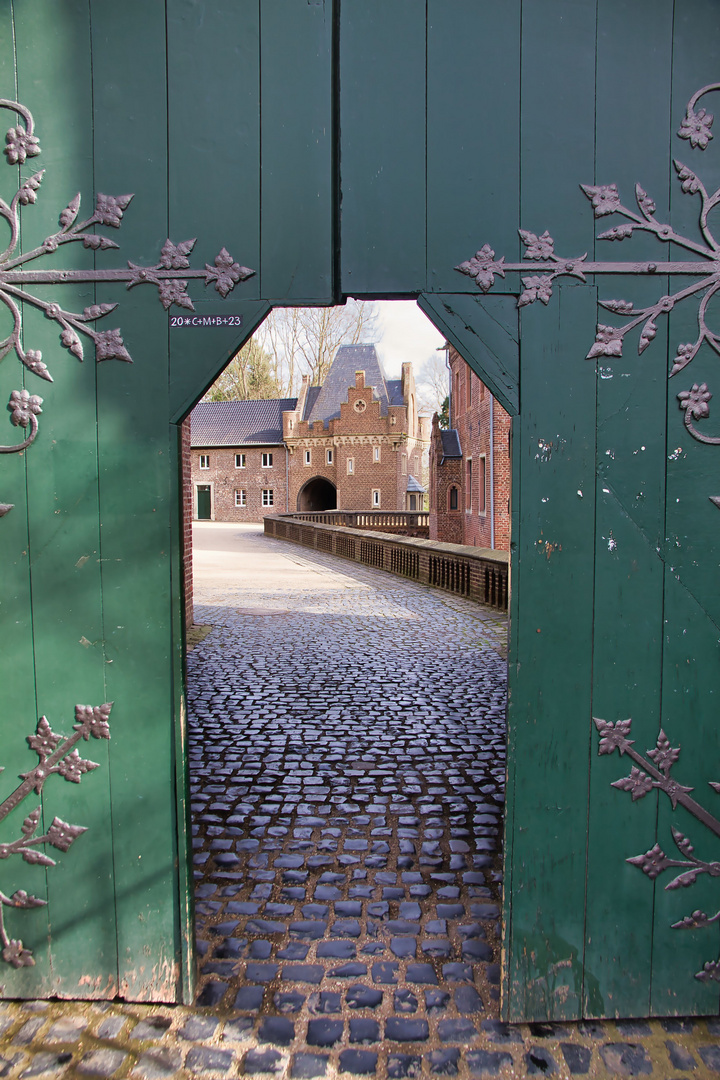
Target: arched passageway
(317, 494)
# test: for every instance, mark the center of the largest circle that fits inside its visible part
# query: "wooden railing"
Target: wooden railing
(477, 573)
(392, 521)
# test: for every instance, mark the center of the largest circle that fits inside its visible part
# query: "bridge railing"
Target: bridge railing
(415, 523)
(477, 573)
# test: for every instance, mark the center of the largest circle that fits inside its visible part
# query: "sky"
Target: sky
(405, 333)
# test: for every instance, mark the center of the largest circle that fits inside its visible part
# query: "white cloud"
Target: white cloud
(405, 334)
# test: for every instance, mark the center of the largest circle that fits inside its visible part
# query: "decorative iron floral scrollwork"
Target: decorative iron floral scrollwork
(645, 776)
(57, 754)
(547, 266)
(171, 274)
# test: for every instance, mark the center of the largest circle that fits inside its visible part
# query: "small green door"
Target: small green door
(203, 502)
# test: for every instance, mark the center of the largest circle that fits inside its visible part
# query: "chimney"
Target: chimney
(359, 380)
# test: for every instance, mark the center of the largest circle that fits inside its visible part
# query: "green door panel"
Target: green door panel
(136, 498)
(473, 166)
(297, 154)
(214, 133)
(382, 165)
(630, 505)
(484, 329)
(64, 516)
(19, 712)
(550, 667)
(368, 148)
(204, 502)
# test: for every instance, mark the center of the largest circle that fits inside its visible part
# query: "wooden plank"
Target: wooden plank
(19, 714)
(692, 554)
(63, 502)
(630, 501)
(557, 126)
(476, 326)
(383, 153)
(473, 110)
(297, 190)
(137, 507)
(514, 622)
(549, 701)
(214, 125)
(186, 880)
(689, 719)
(549, 713)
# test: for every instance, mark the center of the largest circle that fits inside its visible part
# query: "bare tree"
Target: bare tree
(249, 376)
(293, 342)
(303, 341)
(432, 382)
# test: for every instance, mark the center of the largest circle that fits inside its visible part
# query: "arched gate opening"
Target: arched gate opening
(318, 494)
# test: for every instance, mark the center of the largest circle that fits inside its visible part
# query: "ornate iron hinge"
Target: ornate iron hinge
(56, 754)
(646, 776)
(546, 267)
(171, 274)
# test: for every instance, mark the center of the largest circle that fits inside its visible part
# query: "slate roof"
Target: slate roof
(450, 444)
(349, 359)
(312, 396)
(414, 485)
(238, 423)
(395, 392)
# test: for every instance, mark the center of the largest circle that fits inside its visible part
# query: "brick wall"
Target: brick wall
(186, 495)
(477, 574)
(471, 406)
(225, 479)
(356, 434)
(446, 524)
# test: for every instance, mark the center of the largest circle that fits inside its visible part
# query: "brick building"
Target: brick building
(470, 465)
(239, 462)
(354, 443)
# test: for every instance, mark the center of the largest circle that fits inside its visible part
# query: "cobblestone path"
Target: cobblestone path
(349, 811)
(347, 764)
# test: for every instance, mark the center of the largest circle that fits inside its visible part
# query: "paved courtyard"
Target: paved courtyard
(347, 751)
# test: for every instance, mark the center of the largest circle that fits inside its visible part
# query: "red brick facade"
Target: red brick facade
(187, 516)
(240, 492)
(469, 471)
(365, 455)
(362, 459)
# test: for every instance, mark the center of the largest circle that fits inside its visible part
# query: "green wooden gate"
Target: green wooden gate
(366, 149)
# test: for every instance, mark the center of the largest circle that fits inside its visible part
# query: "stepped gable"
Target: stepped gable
(239, 423)
(334, 391)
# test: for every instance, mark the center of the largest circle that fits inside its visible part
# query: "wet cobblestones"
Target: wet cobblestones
(347, 764)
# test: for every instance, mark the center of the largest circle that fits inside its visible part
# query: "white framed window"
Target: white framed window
(267, 461)
(240, 461)
(376, 498)
(267, 496)
(204, 461)
(350, 466)
(308, 457)
(241, 498)
(403, 464)
(329, 457)
(376, 453)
